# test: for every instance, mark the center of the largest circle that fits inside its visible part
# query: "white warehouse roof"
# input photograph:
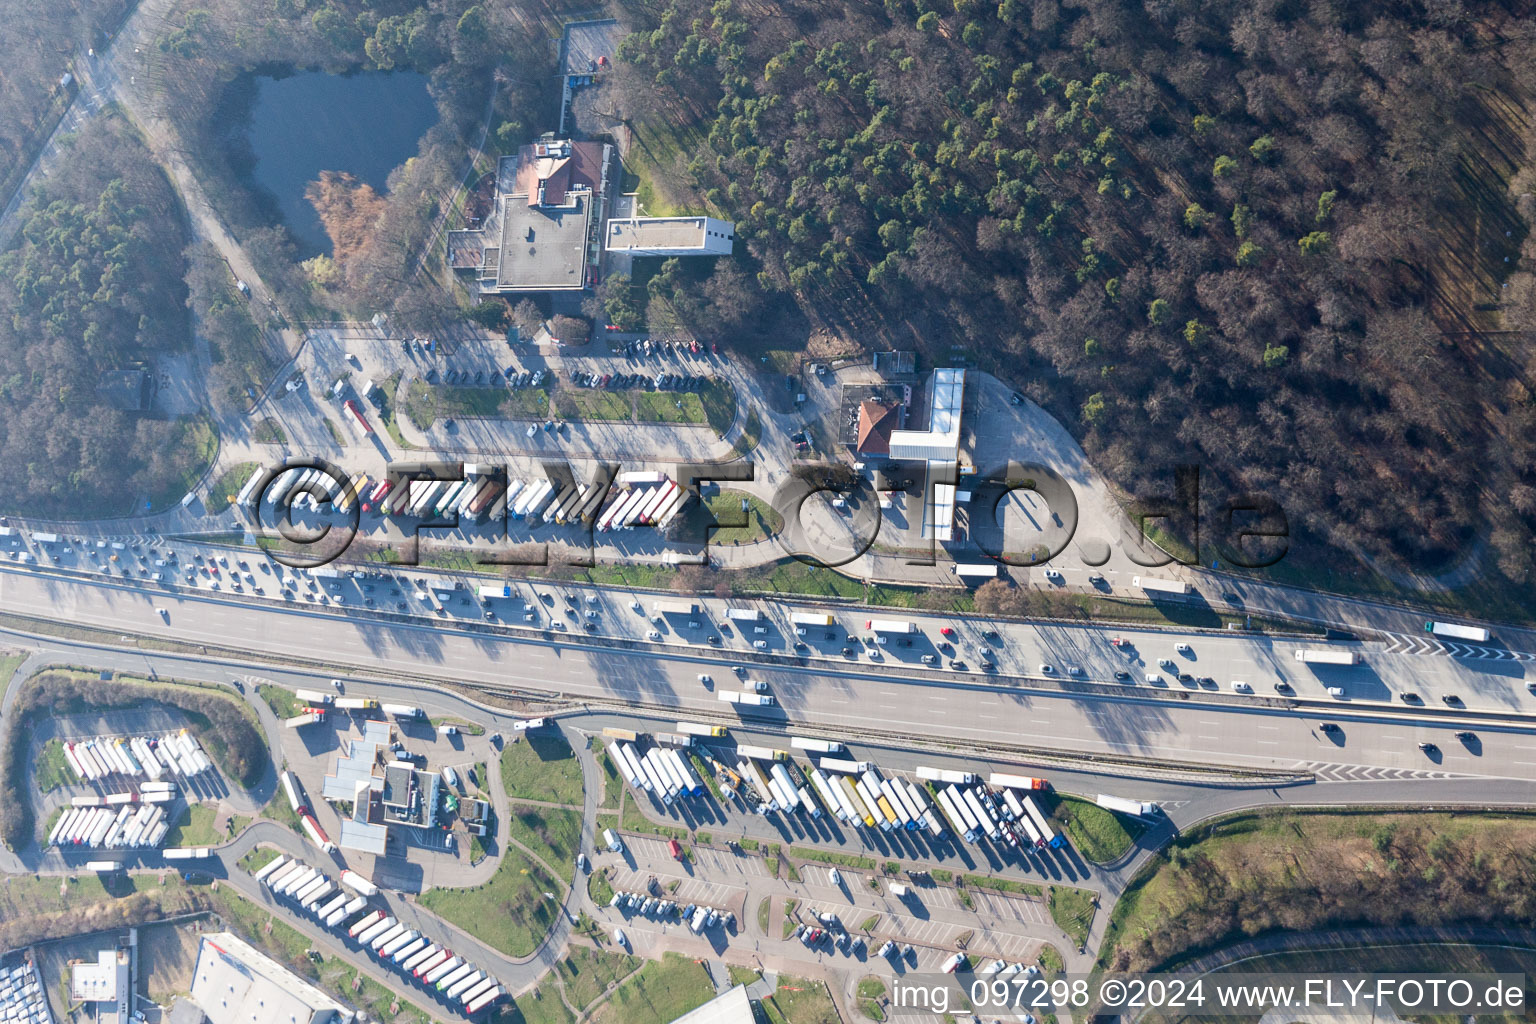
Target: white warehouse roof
(234, 983)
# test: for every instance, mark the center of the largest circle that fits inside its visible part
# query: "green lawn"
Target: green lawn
(592, 404)
(871, 991)
(661, 992)
(52, 768)
(586, 973)
(526, 404)
(258, 858)
(634, 820)
(611, 782)
(550, 832)
(540, 1006)
(846, 860)
(268, 432)
(542, 767)
(195, 828)
(761, 520)
(800, 1001)
(508, 912)
(599, 888)
(9, 663)
(1072, 910)
(228, 485)
(718, 400)
(277, 810)
(1101, 836)
(282, 702)
(671, 407)
(425, 403)
(1002, 885)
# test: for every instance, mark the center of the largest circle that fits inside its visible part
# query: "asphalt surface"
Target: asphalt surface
(1126, 722)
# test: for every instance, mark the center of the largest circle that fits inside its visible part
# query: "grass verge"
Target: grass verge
(542, 767)
(508, 912)
(660, 992)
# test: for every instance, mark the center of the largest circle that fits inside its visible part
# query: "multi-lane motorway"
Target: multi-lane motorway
(1171, 724)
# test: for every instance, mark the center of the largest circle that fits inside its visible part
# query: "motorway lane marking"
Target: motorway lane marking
(508, 648)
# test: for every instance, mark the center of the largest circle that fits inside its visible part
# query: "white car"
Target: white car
(1239, 686)
(706, 678)
(1181, 648)
(336, 684)
(652, 635)
(835, 878)
(532, 429)
(1073, 670)
(636, 605)
(760, 644)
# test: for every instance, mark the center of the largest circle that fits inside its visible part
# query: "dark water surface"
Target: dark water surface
(301, 123)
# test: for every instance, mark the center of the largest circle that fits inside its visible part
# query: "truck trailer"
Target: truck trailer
(1475, 633)
(1327, 656)
(1156, 585)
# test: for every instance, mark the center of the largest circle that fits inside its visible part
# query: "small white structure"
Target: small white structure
(108, 983)
(670, 236)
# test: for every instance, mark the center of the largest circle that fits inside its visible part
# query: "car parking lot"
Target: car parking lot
(930, 920)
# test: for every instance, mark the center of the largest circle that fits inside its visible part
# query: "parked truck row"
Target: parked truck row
(342, 907)
(126, 826)
(177, 753)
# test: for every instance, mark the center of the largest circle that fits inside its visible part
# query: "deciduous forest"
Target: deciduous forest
(32, 63)
(93, 283)
(1265, 238)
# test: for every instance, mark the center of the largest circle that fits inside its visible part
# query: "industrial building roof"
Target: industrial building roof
(730, 1007)
(357, 764)
(235, 984)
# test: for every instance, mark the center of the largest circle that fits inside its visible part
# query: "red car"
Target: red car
(947, 631)
(1117, 641)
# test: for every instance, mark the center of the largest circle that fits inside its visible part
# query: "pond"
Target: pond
(299, 123)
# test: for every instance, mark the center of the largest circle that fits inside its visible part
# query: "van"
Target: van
(612, 839)
(619, 937)
(759, 629)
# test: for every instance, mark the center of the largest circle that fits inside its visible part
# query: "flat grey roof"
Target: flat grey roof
(233, 983)
(656, 233)
(543, 248)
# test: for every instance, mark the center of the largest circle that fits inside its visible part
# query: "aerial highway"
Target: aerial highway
(1131, 721)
